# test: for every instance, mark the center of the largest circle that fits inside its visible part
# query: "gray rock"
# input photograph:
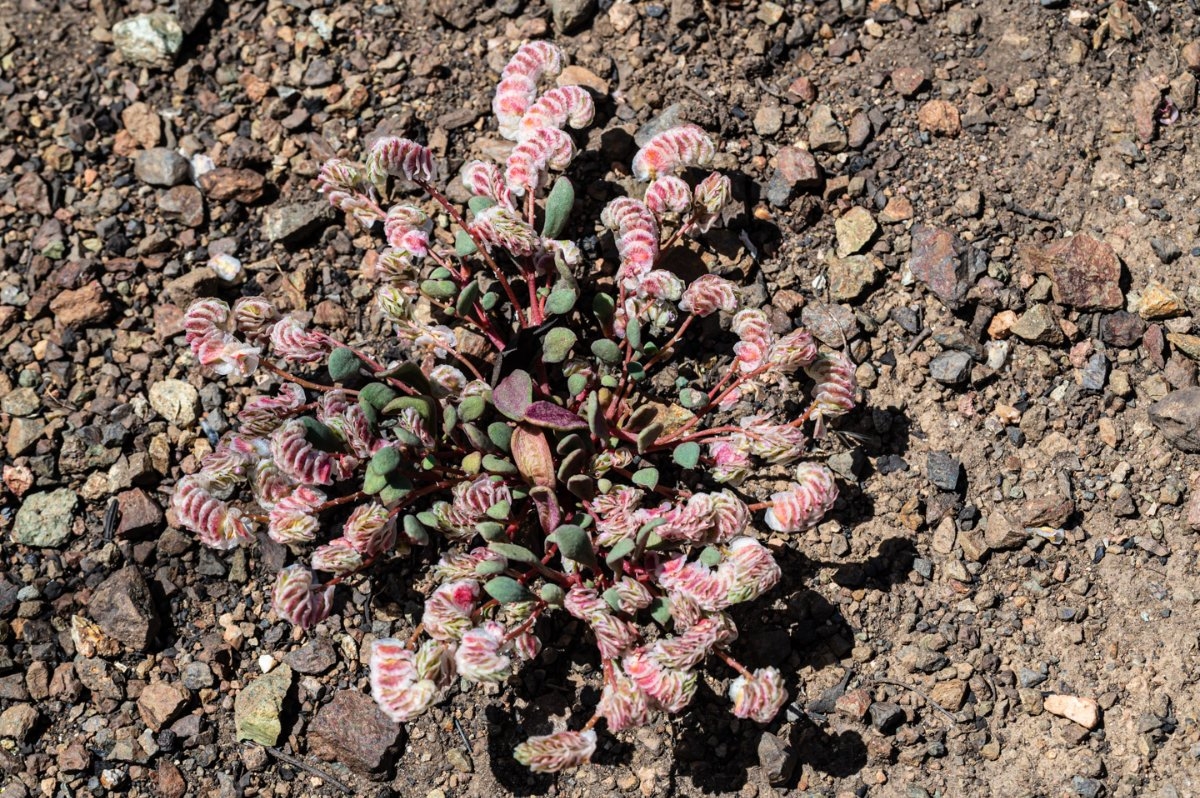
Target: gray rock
(1177, 415)
(353, 730)
(21, 402)
(148, 39)
(1038, 325)
(192, 13)
(571, 16)
(160, 166)
(944, 470)
(44, 519)
(794, 169)
(825, 132)
(1031, 678)
(951, 368)
(776, 758)
(1087, 788)
(768, 120)
(123, 607)
(291, 223)
(176, 401)
(197, 676)
(256, 708)
(1094, 373)
(315, 657)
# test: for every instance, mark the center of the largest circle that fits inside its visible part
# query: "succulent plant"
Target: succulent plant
(524, 435)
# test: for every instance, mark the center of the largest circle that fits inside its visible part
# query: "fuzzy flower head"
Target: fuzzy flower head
(552, 753)
(759, 697)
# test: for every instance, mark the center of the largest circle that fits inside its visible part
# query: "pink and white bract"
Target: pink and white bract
(510, 431)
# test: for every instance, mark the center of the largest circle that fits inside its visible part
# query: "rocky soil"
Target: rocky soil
(994, 203)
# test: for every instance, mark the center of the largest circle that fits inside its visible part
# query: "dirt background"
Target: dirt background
(923, 628)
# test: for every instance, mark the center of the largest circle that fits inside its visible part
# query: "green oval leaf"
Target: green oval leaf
(641, 417)
(320, 435)
(500, 511)
(621, 550)
(559, 202)
(480, 204)
(490, 567)
(633, 333)
(385, 461)
(576, 384)
(582, 486)
(464, 245)
(647, 437)
(500, 434)
(415, 531)
(343, 364)
(552, 594)
(377, 395)
(561, 300)
(439, 289)
(498, 465)
(646, 478)
(575, 544)
(604, 306)
(507, 590)
(607, 350)
(472, 408)
(556, 346)
(513, 552)
(687, 454)
(467, 298)
(490, 530)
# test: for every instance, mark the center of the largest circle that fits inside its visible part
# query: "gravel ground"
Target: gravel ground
(994, 203)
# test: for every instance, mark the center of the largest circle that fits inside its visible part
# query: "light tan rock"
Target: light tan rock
(1084, 711)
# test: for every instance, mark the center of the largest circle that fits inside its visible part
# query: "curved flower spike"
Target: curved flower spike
(544, 149)
(399, 157)
(668, 194)
(484, 179)
(806, 501)
(566, 105)
(518, 83)
(711, 197)
(672, 150)
(759, 697)
(218, 525)
(554, 752)
(297, 600)
(707, 294)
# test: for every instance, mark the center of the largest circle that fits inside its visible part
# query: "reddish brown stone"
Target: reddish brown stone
(139, 513)
(87, 305)
(353, 730)
(940, 118)
(937, 261)
(243, 185)
(168, 780)
(908, 80)
(1047, 511)
(1085, 273)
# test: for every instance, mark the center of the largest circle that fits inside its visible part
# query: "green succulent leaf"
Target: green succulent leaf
(647, 437)
(343, 364)
(500, 435)
(373, 482)
(411, 375)
(633, 333)
(498, 465)
(490, 568)
(570, 443)
(646, 478)
(489, 300)
(478, 438)
(582, 486)
(490, 530)
(710, 556)
(604, 306)
(687, 454)
(472, 408)
(439, 289)
(464, 245)
(556, 346)
(559, 202)
(636, 371)
(507, 590)
(385, 461)
(607, 350)
(620, 551)
(595, 415)
(561, 300)
(415, 531)
(514, 553)
(467, 298)
(575, 544)
(397, 488)
(660, 610)
(320, 435)
(480, 204)
(692, 398)
(500, 511)
(641, 417)
(472, 462)
(440, 273)
(552, 594)
(576, 384)
(572, 463)
(613, 598)
(376, 395)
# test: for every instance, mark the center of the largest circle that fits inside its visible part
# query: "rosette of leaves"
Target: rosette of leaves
(526, 434)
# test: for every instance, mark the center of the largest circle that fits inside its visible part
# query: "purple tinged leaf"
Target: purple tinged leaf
(552, 416)
(513, 394)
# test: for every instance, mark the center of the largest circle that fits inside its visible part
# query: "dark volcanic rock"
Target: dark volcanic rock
(938, 262)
